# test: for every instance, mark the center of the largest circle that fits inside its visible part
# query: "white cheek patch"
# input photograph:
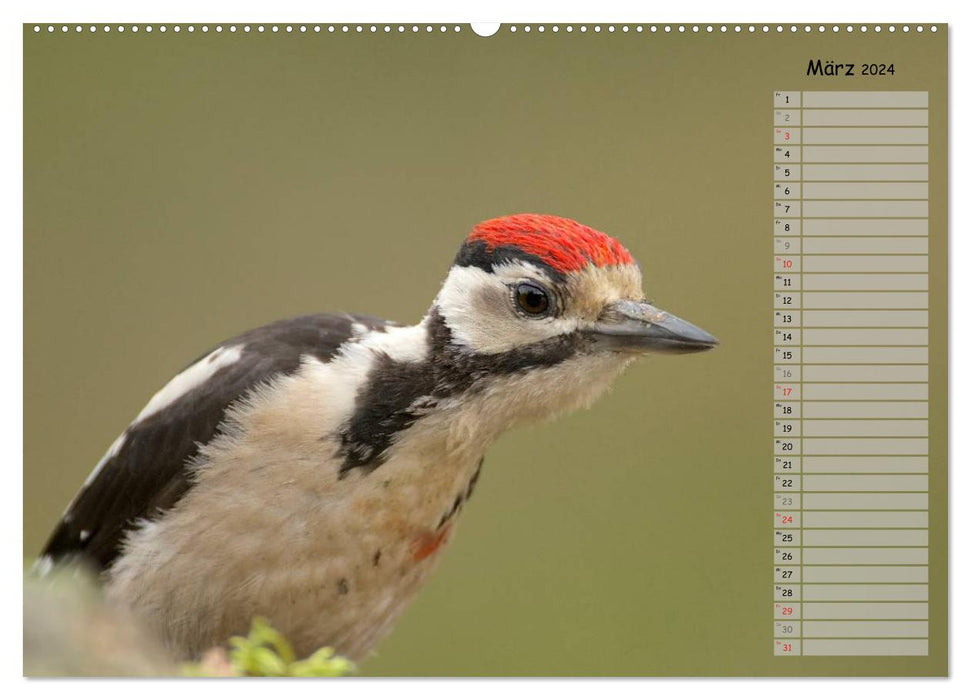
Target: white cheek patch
(478, 310)
(189, 379)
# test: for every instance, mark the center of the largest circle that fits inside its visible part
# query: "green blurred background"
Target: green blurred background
(182, 188)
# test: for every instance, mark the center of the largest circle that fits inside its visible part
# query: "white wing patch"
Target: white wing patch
(44, 565)
(189, 379)
(180, 385)
(112, 451)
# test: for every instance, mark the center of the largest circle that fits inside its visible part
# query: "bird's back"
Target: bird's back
(149, 467)
(238, 492)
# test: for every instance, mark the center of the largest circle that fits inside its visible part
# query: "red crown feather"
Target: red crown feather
(563, 244)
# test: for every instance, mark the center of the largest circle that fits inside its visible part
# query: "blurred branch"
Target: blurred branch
(70, 630)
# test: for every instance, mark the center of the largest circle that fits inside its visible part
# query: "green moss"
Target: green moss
(266, 652)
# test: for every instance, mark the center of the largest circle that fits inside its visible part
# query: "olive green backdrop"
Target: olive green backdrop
(182, 188)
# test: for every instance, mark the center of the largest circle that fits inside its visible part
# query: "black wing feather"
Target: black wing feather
(149, 472)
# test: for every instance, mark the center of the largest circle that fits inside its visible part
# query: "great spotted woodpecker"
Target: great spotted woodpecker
(311, 470)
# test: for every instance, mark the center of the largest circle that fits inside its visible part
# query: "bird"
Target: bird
(311, 471)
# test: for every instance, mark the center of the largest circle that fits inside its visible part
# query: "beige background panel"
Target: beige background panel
(868, 281)
(865, 227)
(864, 117)
(862, 135)
(865, 464)
(851, 171)
(872, 98)
(865, 154)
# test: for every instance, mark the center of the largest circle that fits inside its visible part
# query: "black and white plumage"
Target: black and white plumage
(148, 468)
(310, 471)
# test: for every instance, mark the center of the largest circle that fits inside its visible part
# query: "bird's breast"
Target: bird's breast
(329, 561)
(273, 526)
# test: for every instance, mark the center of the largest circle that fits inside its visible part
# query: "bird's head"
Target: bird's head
(541, 292)
(523, 281)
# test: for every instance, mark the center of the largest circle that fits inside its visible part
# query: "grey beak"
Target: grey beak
(631, 326)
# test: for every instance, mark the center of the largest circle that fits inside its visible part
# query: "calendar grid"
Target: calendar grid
(850, 215)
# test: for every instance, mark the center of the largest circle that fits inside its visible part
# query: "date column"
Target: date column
(787, 377)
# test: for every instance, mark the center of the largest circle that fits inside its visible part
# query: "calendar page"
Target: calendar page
(776, 505)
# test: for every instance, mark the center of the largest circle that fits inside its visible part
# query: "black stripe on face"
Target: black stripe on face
(390, 402)
(478, 254)
(462, 369)
(399, 393)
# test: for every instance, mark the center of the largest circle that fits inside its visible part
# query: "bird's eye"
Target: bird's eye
(532, 299)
